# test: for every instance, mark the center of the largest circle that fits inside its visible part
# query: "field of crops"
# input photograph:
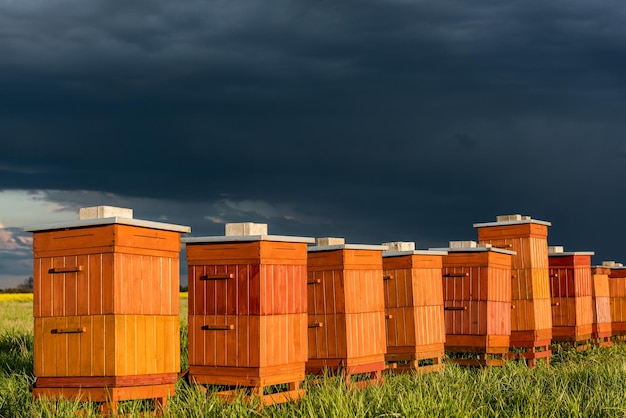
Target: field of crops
(590, 384)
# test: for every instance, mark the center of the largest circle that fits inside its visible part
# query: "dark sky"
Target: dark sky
(371, 120)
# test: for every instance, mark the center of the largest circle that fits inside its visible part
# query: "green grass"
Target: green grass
(589, 384)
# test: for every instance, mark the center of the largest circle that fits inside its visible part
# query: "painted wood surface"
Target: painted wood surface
(346, 305)
(601, 300)
(477, 299)
(247, 340)
(571, 289)
(531, 315)
(617, 290)
(111, 269)
(106, 345)
(247, 313)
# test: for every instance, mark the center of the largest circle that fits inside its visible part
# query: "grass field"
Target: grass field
(590, 384)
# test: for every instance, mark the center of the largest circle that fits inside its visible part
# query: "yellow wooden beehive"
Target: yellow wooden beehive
(106, 307)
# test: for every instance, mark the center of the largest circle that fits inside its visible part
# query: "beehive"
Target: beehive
(531, 314)
(413, 307)
(248, 311)
(346, 308)
(571, 290)
(106, 307)
(601, 330)
(477, 302)
(617, 291)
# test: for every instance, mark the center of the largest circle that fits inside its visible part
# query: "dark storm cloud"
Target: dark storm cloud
(374, 120)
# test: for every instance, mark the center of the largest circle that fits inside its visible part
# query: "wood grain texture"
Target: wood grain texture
(111, 345)
(346, 295)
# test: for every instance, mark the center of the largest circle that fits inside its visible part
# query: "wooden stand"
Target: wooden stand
(109, 391)
(355, 373)
(531, 346)
(423, 361)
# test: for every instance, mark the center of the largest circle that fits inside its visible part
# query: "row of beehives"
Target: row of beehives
(263, 309)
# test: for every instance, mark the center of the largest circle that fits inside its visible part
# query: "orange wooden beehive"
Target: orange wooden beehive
(413, 307)
(346, 309)
(477, 302)
(571, 290)
(617, 291)
(106, 308)
(531, 313)
(601, 329)
(248, 311)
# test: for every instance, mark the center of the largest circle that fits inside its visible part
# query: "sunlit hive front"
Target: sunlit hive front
(248, 310)
(346, 309)
(571, 290)
(601, 328)
(413, 308)
(477, 302)
(531, 314)
(106, 307)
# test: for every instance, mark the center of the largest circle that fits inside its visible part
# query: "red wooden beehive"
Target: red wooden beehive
(531, 314)
(106, 308)
(346, 309)
(413, 307)
(248, 311)
(601, 330)
(617, 291)
(477, 302)
(571, 290)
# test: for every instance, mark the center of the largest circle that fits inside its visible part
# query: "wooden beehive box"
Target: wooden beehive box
(346, 309)
(571, 290)
(531, 314)
(248, 311)
(617, 291)
(413, 307)
(601, 330)
(106, 307)
(477, 302)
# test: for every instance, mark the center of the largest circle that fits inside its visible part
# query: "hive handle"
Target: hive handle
(217, 276)
(388, 316)
(316, 325)
(69, 269)
(456, 275)
(68, 330)
(455, 308)
(556, 304)
(315, 281)
(215, 327)
(387, 277)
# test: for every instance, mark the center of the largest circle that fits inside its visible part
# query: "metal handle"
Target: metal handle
(217, 276)
(456, 275)
(388, 316)
(455, 308)
(70, 269)
(214, 327)
(556, 304)
(315, 281)
(388, 277)
(68, 330)
(316, 325)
